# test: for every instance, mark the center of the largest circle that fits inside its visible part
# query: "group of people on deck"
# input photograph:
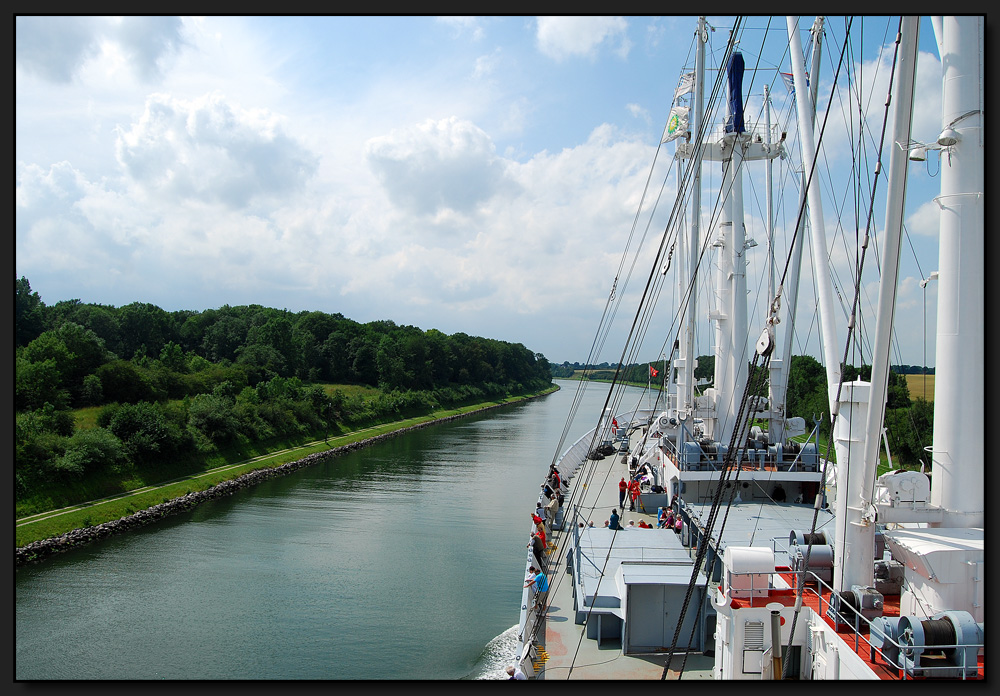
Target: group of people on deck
(632, 489)
(545, 512)
(667, 520)
(664, 520)
(629, 490)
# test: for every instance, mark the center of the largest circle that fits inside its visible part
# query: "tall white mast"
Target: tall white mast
(821, 266)
(769, 204)
(685, 386)
(855, 547)
(730, 363)
(781, 364)
(730, 315)
(958, 446)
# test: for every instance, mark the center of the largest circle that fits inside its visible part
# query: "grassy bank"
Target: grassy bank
(48, 523)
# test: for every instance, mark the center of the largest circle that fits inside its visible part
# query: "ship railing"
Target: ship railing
(568, 464)
(750, 460)
(859, 624)
(780, 546)
(527, 622)
(754, 130)
(575, 456)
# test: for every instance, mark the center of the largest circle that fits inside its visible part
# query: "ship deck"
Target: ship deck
(817, 598)
(567, 652)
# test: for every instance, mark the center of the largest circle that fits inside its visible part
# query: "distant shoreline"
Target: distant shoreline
(39, 550)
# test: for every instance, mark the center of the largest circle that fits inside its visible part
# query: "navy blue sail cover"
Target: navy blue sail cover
(734, 124)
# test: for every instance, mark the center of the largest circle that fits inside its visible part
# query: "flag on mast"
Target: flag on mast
(677, 124)
(685, 85)
(653, 372)
(789, 81)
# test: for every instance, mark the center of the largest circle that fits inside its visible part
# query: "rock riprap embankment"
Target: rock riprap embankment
(38, 550)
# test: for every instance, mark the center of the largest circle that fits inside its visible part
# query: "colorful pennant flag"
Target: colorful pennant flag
(677, 124)
(789, 81)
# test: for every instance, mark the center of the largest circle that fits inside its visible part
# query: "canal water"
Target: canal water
(404, 560)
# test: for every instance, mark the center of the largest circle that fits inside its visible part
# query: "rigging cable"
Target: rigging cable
(850, 330)
(615, 380)
(730, 465)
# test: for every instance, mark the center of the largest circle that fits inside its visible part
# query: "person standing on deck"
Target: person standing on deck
(536, 520)
(633, 488)
(540, 531)
(622, 490)
(550, 511)
(541, 585)
(536, 548)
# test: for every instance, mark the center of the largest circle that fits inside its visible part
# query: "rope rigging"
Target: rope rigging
(729, 476)
(850, 330)
(727, 479)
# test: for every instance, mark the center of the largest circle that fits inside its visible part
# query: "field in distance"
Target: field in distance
(921, 386)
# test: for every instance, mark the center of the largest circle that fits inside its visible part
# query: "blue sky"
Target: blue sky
(469, 174)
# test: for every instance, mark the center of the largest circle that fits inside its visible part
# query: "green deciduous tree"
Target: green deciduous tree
(212, 416)
(94, 449)
(910, 429)
(142, 430)
(29, 313)
(126, 382)
(38, 383)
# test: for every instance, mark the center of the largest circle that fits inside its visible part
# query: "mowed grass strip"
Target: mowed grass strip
(54, 523)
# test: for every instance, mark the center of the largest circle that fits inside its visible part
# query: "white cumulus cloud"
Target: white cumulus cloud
(213, 151)
(56, 48)
(446, 164)
(563, 37)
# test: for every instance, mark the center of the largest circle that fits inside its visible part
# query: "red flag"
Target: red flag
(653, 372)
(614, 423)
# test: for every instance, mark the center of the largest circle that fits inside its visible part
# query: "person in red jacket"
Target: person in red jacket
(622, 489)
(540, 533)
(633, 487)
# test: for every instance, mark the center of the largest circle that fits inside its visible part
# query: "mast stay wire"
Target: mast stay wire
(644, 308)
(730, 466)
(850, 331)
(754, 384)
(743, 421)
(713, 99)
(597, 341)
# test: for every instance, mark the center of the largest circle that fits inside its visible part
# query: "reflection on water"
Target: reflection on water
(400, 561)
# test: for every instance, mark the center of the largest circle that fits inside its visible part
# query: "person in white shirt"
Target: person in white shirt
(515, 673)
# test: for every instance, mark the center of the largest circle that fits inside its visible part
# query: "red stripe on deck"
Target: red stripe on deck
(819, 604)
